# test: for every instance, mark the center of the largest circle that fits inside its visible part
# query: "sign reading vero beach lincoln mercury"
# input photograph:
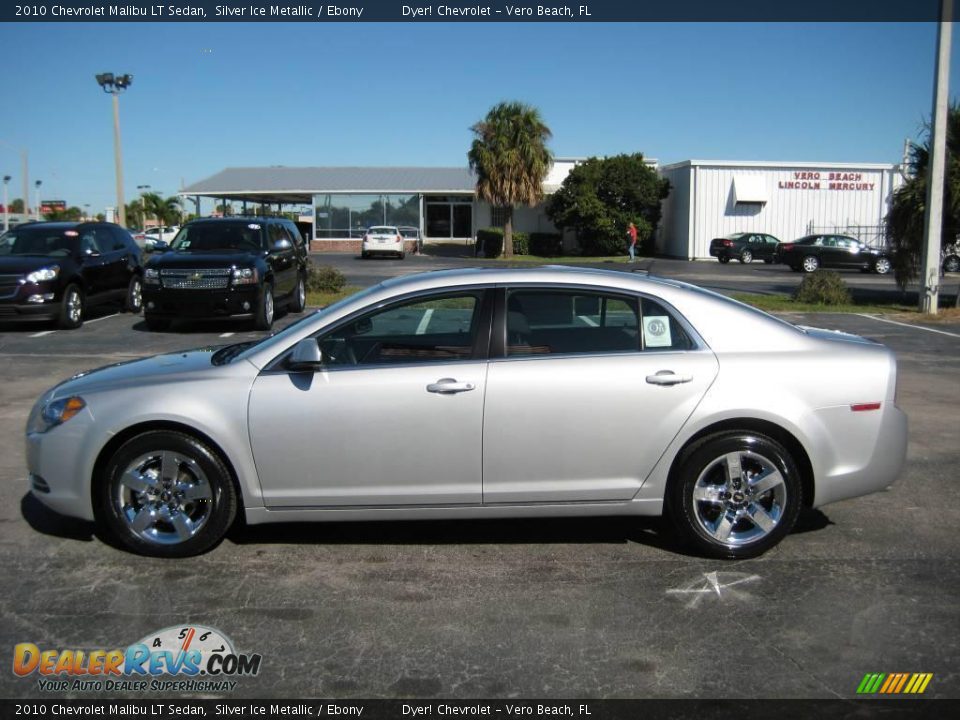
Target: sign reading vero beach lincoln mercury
(820, 180)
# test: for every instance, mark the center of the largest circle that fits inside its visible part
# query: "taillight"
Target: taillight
(728, 243)
(788, 246)
(399, 238)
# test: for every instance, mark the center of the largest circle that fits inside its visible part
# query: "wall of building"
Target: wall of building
(800, 198)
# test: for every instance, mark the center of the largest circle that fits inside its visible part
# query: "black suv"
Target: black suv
(226, 267)
(55, 270)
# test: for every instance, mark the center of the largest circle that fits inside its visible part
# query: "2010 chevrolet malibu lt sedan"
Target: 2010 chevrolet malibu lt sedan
(481, 393)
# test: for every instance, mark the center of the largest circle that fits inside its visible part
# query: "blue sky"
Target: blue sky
(209, 96)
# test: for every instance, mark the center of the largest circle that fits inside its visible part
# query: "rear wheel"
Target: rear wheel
(299, 299)
(165, 494)
(264, 316)
(882, 266)
(746, 257)
(134, 302)
(723, 259)
(71, 308)
(811, 263)
(736, 494)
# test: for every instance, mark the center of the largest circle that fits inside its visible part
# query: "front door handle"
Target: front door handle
(668, 377)
(449, 386)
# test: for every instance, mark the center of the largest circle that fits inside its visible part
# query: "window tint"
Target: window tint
(219, 236)
(94, 240)
(543, 322)
(277, 233)
(120, 239)
(294, 232)
(436, 329)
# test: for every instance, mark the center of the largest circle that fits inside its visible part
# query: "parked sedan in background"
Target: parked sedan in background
(164, 234)
(481, 393)
(838, 252)
(745, 247)
(382, 240)
(56, 270)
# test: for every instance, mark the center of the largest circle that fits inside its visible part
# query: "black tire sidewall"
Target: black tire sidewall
(295, 304)
(692, 463)
(224, 504)
(260, 321)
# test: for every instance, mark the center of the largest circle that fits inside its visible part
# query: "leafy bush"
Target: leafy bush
(324, 278)
(823, 287)
(490, 242)
(546, 244)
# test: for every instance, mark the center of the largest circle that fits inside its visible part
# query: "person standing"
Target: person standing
(632, 239)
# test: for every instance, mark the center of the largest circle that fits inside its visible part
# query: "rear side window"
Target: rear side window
(549, 322)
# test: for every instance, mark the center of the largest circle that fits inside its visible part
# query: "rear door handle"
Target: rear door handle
(668, 377)
(449, 386)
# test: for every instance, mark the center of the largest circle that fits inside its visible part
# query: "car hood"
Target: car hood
(206, 259)
(157, 369)
(22, 264)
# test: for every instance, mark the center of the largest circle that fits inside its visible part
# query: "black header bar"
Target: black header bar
(477, 11)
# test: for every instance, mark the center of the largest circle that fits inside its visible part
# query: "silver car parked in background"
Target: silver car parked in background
(481, 393)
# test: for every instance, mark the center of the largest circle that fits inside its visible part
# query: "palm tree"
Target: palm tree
(165, 210)
(510, 158)
(905, 220)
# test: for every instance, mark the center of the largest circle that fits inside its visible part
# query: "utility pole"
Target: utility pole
(933, 226)
(114, 85)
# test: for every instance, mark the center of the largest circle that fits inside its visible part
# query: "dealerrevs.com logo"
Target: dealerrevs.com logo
(182, 658)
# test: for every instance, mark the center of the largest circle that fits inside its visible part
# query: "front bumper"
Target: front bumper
(56, 462)
(239, 301)
(15, 307)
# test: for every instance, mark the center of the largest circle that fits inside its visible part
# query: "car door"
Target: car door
(767, 247)
(588, 391)
(394, 417)
(95, 248)
(848, 255)
(282, 259)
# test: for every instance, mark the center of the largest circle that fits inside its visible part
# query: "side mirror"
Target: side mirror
(306, 356)
(282, 244)
(363, 326)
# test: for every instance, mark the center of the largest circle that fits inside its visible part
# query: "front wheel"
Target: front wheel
(264, 317)
(810, 263)
(71, 308)
(165, 494)
(881, 266)
(746, 257)
(736, 495)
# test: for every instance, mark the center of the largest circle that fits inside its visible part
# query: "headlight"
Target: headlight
(151, 276)
(55, 412)
(245, 276)
(44, 274)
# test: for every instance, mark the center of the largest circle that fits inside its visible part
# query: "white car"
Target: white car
(164, 234)
(381, 240)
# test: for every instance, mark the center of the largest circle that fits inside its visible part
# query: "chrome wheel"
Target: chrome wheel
(810, 264)
(882, 266)
(301, 301)
(164, 497)
(74, 306)
(135, 296)
(739, 498)
(268, 308)
(746, 257)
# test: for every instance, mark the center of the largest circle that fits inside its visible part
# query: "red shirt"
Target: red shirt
(632, 230)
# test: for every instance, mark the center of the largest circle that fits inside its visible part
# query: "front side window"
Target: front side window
(549, 322)
(440, 328)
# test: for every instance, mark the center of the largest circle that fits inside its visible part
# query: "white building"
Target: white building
(711, 199)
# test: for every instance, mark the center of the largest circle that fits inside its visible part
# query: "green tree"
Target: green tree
(16, 205)
(135, 214)
(905, 220)
(600, 197)
(70, 214)
(510, 157)
(166, 211)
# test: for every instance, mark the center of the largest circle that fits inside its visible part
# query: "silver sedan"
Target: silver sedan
(481, 393)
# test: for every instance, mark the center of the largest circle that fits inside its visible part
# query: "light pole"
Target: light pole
(6, 204)
(37, 185)
(114, 85)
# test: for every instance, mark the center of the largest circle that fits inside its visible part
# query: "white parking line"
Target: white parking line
(42, 333)
(227, 334)
(908, 325)
(105, 317)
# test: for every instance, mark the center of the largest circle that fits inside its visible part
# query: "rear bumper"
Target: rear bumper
(172, 304)
(373, 247)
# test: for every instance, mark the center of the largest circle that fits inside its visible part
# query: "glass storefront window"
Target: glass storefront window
(347, 216)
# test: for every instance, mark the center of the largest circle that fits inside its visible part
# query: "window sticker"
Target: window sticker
(185, 244)
(253, 226)
(656, 331)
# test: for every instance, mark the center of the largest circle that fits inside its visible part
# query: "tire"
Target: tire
(165, 494)
(811, 263)
(298, 301)
(402, 255)
(746, 257)
(882, 266)
(265, 310)
(951, 263)
(768, 261)
(155, 324)
(723, 259)
(726, 520)
(134, 302)
(71, 308)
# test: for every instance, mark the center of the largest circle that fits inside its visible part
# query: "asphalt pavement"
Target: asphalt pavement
(567, 608)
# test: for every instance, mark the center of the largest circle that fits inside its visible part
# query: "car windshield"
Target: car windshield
(48, 242)
(219, 236)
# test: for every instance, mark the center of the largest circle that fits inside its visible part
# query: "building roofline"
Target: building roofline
(778, 164)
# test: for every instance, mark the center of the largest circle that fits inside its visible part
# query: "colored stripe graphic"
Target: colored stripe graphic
(894, 683)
